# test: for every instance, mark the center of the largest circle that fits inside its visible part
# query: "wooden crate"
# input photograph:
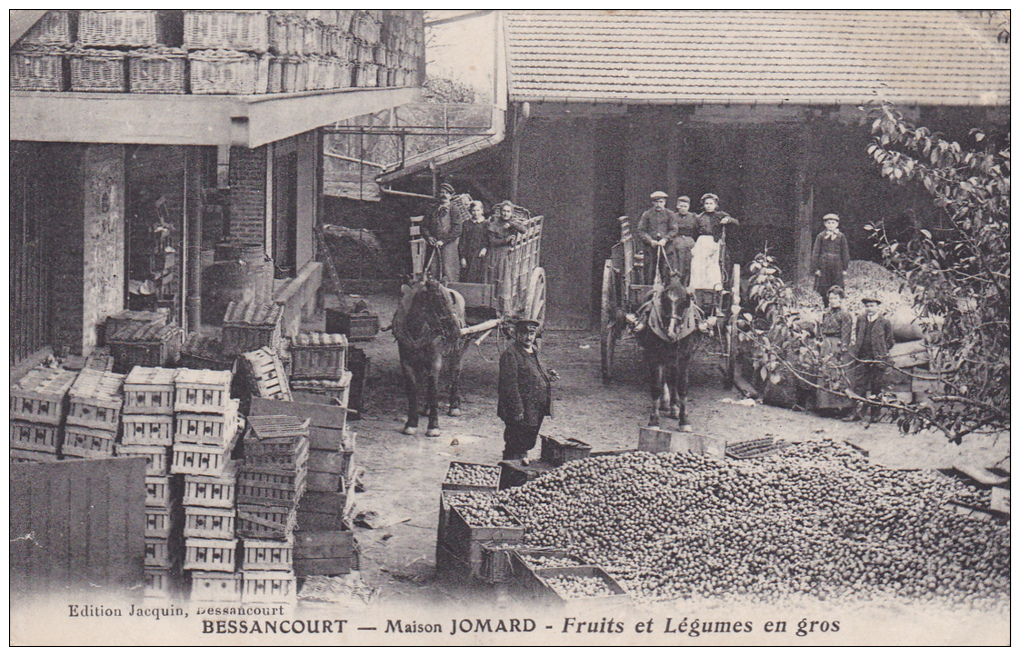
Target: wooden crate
(269, 586)
(659, 440)
(217, 429)
(541, 591)
(148, 429)
(145, 344)
(160, 522)
(465, 541)
(209, 523)
(56, 27)
(251, 325)
(124, 318)
(335, 392)
(215, 587)
(318, 355)
(270, 486)
(515, 474)
(265, 522)
(266, 377)
(357, 326)
(149, 390)
(200, 460)
(160, 582)
(327, 426)
(162, 552)
(557, 451)
(246, 31)
(30, 456)
(155, 457)
(160, 70)
(84, 442)
(212, 491)
(35, 436)
(36, 68)
(210, 555)
(268, 555)
(40, 395)
(129, 28)
(200, 352)
(329, 552)
(450, 482)
(202, 391)
(158, 491)
(95, 400)
(98, 70)
(330, 471)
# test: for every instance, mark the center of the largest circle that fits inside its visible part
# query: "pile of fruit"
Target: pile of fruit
(482, 513)
(816, 519)
(467, 474)
(863, 278)
(578, 586)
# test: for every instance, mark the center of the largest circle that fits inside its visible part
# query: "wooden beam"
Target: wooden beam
(190, 120)
(805, 205)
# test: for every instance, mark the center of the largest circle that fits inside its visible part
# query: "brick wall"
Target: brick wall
(248, 194)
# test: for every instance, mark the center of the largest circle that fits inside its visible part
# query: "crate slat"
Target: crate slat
(37, 437)
(215, 587)
(156, 429)
(210, 554)
(155, 457)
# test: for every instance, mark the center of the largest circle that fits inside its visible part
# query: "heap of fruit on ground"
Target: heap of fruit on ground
(816, 520)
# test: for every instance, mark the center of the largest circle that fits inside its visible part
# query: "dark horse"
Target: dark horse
(665, 329)
(427, 326)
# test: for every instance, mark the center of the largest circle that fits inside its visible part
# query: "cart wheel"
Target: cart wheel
(607, 331)
(536, 296)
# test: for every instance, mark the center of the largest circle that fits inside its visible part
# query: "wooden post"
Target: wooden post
(805, 206)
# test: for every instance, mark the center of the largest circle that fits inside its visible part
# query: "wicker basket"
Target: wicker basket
(55, 28)
(39, 68)
(98, 70)
(367, 75)
(294, 74)
(222, 71)
(279, 30)
(129, 28)
(242, 30)
(158, 71)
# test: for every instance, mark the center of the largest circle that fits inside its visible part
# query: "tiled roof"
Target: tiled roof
(802, 57)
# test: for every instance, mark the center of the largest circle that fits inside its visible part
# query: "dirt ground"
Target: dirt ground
(402, 474)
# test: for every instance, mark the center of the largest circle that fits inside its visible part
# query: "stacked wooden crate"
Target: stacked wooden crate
(250, 325)
(93, 415)
(325, 545)
(265, 375)
(37, 414)
(319, 366)
(206, 425)
(269, 486)
(144, 343)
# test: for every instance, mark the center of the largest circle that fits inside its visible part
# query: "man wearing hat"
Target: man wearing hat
(525, 392)
(830, 257)
(441, 229)
(874, 338)
(657, 228)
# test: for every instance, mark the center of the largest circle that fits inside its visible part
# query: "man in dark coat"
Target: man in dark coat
(657, 227)
(525, 392)
(874, 338)
(442, 229)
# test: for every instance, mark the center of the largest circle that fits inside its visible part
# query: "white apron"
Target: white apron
(705, 272)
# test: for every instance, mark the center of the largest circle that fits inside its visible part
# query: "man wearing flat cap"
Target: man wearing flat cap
(525, 392)
(442, 229)
(830, 257)
(657, 228)
(874, 337)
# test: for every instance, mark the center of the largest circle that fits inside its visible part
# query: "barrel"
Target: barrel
(240, 273)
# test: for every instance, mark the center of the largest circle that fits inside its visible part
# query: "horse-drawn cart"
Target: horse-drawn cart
(624, 290)
(521, 294)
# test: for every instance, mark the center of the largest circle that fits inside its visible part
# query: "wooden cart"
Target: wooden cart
(623, 290)
(524, 290)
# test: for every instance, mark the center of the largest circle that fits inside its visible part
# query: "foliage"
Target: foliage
(441, 90)
(960, 273)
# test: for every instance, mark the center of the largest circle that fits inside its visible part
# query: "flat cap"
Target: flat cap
(830, 216)
(659, 194)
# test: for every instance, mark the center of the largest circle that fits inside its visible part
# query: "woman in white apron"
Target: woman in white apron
(706, 256)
